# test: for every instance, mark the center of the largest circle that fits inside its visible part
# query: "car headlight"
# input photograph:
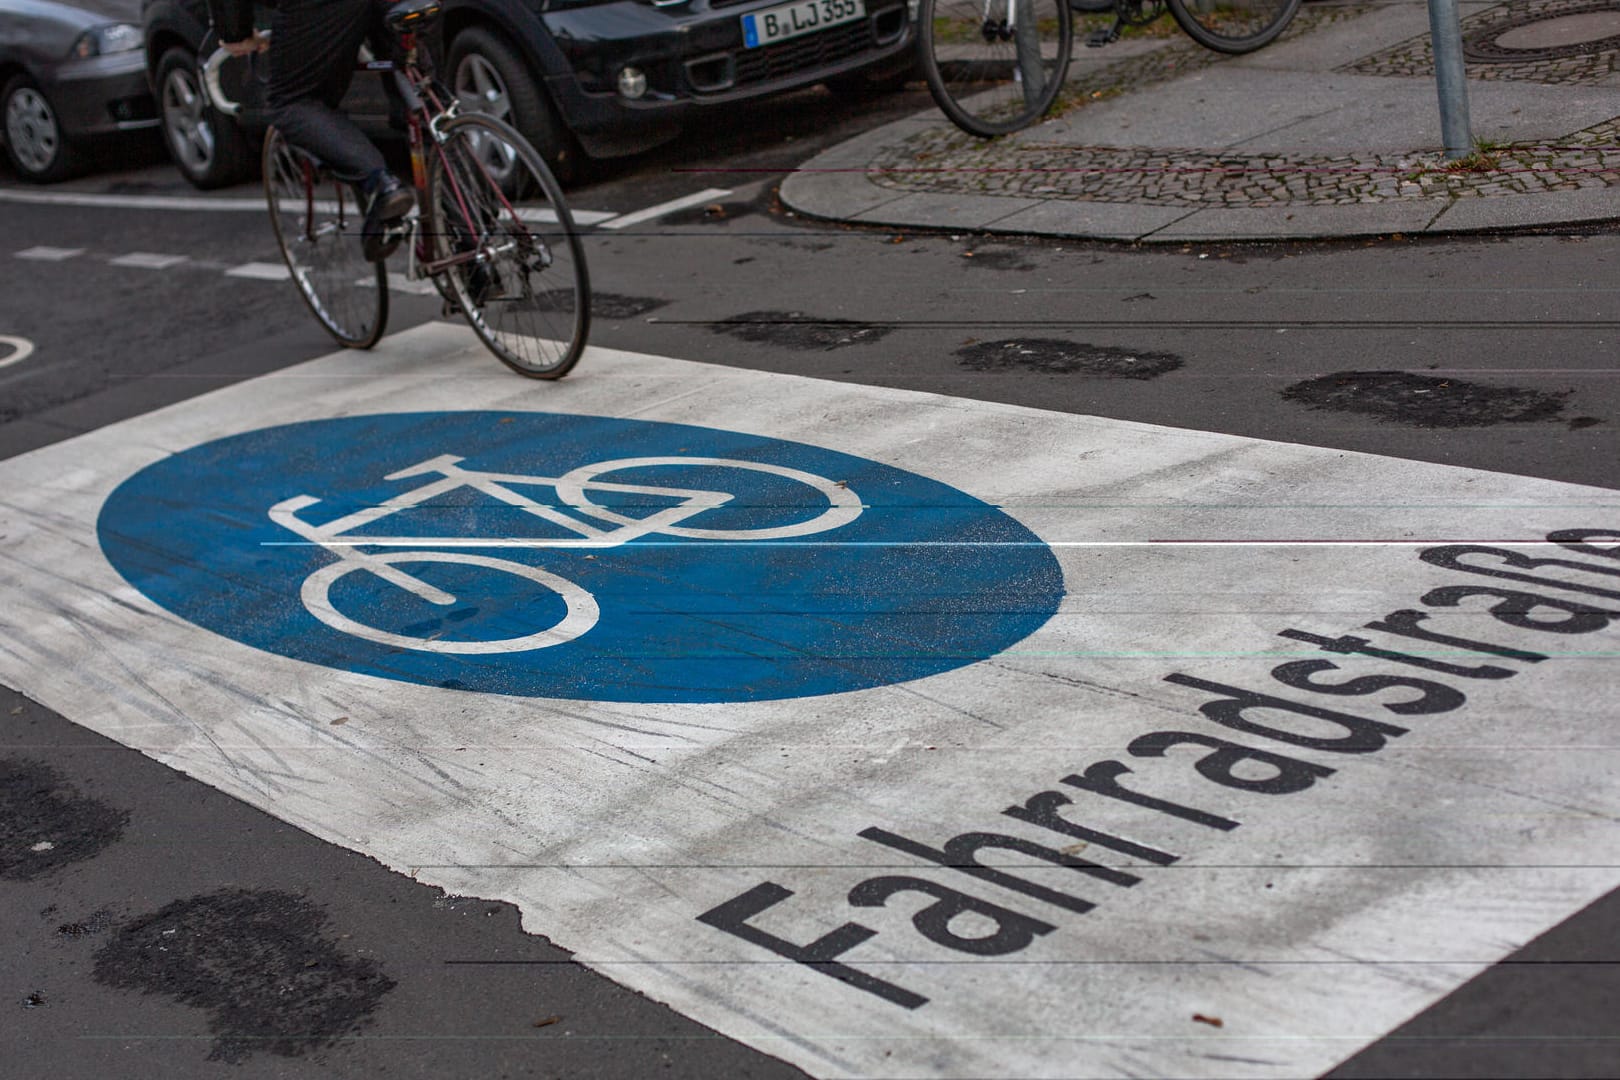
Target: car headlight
(101, 40)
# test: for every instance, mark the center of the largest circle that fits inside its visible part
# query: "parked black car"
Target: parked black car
(69, 72)
(602, 78)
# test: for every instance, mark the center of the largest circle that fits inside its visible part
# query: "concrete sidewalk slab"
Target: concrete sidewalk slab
(1332, 131)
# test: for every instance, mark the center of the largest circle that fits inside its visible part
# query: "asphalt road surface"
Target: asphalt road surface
(167, 928)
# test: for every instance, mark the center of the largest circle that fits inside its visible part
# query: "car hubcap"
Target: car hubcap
(31, 129)
(191, 135)
(479, 88)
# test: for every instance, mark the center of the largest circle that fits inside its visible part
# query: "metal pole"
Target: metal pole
(1445, 31)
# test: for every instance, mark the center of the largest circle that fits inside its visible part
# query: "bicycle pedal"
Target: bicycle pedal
(1098, 38)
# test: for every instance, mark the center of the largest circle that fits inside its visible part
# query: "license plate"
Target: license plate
(791, 20)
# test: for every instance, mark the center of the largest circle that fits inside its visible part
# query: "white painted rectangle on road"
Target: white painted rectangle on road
(147, 260)
(260, 271)
(1306, 739)
(45, 253)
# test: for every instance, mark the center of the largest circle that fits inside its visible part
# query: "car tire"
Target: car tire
(207, 147)
(35, 144)
(488, 76)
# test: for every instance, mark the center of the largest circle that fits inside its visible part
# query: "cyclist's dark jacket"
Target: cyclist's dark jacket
(312, 57)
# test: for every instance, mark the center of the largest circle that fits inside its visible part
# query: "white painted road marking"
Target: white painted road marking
(14, 350)
(49, 254)
(225, 204)
(260, 271)
(624, 221)
(146, 260)
(1358, 773)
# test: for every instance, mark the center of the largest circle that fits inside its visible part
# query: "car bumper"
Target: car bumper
(697, 61)
(101, 95)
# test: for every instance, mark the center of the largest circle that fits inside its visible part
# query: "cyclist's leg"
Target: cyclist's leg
(311, 65)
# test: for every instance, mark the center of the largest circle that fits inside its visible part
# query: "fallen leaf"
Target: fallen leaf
(547, 1021)
(340, 720)
(1212, 1021)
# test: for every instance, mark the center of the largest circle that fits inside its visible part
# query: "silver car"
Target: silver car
(69, 73)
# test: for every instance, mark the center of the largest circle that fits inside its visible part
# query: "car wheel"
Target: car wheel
(208, 148)
(487, 76)
(34, 141)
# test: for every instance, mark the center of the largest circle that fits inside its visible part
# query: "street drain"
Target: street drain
(258, 961)
(45, 824)
(1544, 35)
(1064, 357)
(797, 330)
(1424, 400)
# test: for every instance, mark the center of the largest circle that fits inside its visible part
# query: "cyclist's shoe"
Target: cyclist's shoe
(389, 202)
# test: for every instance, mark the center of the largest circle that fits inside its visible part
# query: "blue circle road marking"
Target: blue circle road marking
(588, 557)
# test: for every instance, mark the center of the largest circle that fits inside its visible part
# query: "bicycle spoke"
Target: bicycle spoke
(995, 66)
(523, 288)
(319, 234)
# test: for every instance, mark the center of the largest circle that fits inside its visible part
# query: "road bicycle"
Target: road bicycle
(492, 230)
(585, 524)
(996, 66)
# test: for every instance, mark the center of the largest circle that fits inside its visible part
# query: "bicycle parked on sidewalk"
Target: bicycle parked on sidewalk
(996, 66)
(492, 230)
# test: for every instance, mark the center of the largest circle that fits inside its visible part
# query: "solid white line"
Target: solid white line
(147, 260)
(260, 271)
(185, 202)
(49, 254)
(127, 202)
(637, 217)
(21, 349)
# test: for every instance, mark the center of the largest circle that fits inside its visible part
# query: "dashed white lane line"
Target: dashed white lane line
(147, 260)
(260, 271)
(49, 254)
(651, 212)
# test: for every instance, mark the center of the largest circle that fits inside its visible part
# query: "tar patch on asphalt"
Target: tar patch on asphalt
(46, 823)
(607, 305)
(259, 961)
(1058, 357)
(796, 330)
(997, 259)
(1424, 400)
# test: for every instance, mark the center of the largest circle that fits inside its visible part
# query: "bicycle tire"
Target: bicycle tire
(977, 65)
(319, 236)
(527, 296)
(1233, 26)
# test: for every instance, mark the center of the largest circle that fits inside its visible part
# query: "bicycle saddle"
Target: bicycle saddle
(412, 16)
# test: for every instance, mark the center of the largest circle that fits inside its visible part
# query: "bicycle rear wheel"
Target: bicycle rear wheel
(1234, 26)
(995, 66)
(525, 290)
(317, 219)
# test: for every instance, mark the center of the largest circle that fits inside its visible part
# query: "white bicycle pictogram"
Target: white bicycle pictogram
(594, 527)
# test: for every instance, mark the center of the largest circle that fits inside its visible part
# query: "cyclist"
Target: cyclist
(312, 60)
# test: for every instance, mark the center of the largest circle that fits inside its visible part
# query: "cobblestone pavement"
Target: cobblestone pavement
(943, 160)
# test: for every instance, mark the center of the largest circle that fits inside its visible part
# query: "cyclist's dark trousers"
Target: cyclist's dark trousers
(312, 59)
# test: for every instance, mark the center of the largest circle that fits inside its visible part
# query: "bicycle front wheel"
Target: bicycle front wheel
(517, 268)
(317, 219)
(1234, 26)
(995, 66)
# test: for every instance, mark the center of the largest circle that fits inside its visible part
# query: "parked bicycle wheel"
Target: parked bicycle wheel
(995, 66)
(1233, 26)
(526, 293)
(317, 220)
